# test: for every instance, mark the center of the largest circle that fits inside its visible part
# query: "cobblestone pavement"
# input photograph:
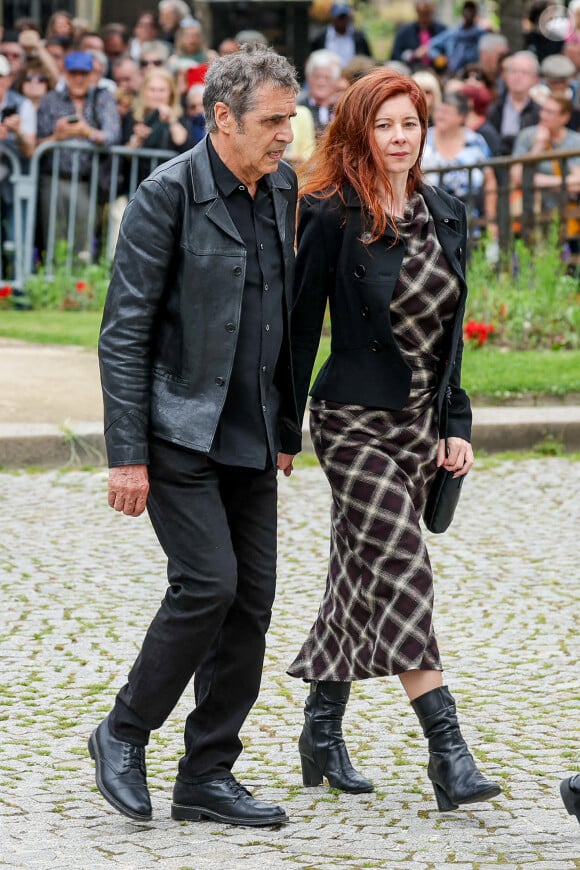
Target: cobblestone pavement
(507, 600)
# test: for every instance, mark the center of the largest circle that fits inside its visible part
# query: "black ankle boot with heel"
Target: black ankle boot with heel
(452, 770)
(322, 749)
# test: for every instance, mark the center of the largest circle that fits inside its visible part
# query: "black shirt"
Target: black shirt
(247, 433)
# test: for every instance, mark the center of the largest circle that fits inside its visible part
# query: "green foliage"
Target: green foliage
(60, 289)
(531, 300)
(52, 327)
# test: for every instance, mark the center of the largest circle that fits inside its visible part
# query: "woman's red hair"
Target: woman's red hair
(347, 151)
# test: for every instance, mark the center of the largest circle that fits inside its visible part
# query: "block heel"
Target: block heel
(444, 804)
(311, 774)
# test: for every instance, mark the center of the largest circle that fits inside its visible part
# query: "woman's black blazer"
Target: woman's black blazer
(365, 366)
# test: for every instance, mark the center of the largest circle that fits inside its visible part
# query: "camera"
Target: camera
(72, 119)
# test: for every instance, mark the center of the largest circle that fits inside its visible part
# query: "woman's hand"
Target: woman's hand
(140, 133)
(166, 114)
(455, 454)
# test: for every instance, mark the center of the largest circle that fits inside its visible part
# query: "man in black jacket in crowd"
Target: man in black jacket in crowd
(199, 412)
(340, 36)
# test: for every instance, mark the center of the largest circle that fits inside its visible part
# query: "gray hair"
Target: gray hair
(324, 58)
(491, 41)
(180, 8)
(234, 79)
(156, 46)
(528, 56)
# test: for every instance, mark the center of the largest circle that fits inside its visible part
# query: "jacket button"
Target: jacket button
(238, 270)
(359, 271)
(220, 382)
(365, 311)
(230, 327)
(375, 346)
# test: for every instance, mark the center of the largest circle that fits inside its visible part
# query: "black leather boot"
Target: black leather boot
(321, 745)
(456, 780)
(570, 791)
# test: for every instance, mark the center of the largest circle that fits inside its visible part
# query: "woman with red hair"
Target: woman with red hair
(388, 254)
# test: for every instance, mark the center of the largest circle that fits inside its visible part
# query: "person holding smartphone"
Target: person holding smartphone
(78, 113)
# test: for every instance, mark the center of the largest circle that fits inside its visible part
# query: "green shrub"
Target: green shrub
(531, 300)
(60, 289)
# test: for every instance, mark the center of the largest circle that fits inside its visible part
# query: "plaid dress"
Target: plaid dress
(375, 618)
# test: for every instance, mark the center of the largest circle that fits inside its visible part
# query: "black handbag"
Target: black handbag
(442, 500)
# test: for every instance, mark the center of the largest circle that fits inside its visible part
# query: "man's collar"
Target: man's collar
(224, 177)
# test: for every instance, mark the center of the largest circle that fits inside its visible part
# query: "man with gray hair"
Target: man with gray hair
(199, 414)
(516, 109)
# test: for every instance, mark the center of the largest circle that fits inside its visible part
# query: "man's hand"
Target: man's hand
(455, 454)
(128, 489)
(285, 463)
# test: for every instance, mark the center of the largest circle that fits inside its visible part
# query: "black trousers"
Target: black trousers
(217, 526)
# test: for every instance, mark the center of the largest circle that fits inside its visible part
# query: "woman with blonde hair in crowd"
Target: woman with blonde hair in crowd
(429, 84)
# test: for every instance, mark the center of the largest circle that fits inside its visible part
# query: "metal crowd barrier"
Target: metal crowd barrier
(95, 191)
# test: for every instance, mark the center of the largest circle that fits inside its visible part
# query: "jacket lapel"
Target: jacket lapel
(205, 190)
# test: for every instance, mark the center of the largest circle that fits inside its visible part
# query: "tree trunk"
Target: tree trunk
(511, 13)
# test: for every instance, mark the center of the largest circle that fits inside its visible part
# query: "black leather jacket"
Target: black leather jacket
(167, 345)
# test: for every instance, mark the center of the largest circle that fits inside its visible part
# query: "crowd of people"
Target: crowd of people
(142, 87)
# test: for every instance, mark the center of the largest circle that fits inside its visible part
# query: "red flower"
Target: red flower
(81, 285)
(478, 331)
(5, 291)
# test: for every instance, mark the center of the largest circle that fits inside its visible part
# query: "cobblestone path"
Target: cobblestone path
(79, 584)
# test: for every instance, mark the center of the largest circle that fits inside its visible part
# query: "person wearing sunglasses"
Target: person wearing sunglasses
(153, 54)
(34, 81)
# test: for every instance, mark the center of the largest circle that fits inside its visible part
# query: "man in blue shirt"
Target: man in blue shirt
(459, 44)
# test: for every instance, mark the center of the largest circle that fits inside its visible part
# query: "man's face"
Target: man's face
(127, 75)
(255, 146)
(13, 53)
(57, 54)
(425, 13)
(553, 117)
(114, 46)
(519, 76)
(341, 22)
(91, 42)
(78, 83)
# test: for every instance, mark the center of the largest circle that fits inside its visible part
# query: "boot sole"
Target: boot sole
(186, 813)
(445, 804)
(570, 798)
(117, 805)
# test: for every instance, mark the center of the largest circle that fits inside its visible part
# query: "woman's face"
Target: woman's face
(34, 86)
(157, 92)
(322, 85)
(397, 132)
(62, 26)
(447, 119)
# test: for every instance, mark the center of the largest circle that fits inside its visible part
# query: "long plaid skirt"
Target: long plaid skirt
(375, 618)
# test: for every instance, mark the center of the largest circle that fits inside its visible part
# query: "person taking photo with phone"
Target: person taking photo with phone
(79, 113)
